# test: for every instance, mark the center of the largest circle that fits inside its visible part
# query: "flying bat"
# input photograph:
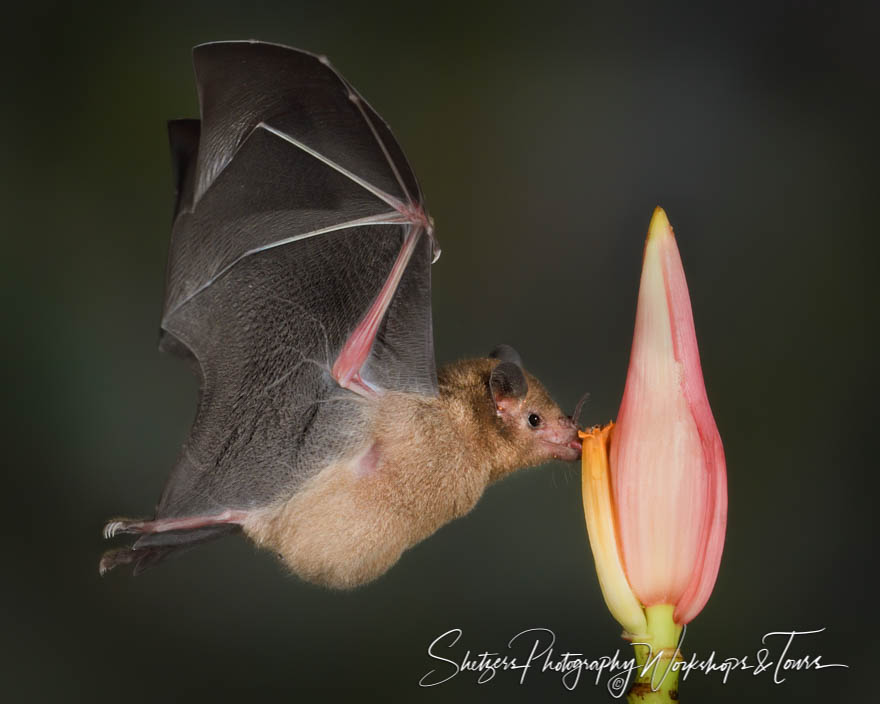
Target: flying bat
(298, 288)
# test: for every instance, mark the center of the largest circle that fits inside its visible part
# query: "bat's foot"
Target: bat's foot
(139, 558)
(118, 526)
(114, 558)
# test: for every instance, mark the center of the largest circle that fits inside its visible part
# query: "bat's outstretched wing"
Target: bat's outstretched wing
(298, 277)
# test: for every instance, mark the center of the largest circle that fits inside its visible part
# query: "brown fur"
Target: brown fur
(429, 462)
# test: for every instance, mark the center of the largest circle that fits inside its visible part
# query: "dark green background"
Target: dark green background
(543, 136)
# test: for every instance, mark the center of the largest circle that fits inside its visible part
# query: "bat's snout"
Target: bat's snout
(562, 438)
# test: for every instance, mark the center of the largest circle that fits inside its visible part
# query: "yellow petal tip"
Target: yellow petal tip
(659, 224)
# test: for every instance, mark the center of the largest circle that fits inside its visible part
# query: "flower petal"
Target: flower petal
(599, 513)
(703, 580)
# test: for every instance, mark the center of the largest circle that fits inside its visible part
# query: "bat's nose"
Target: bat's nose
(566, 435)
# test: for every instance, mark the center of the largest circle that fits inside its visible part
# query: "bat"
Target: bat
(298, 289)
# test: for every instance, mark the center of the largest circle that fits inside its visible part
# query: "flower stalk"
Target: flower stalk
(656, 680)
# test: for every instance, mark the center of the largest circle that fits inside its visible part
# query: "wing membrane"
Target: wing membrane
(290, 216)
(269, 194)
(244, 83)
(270, 413)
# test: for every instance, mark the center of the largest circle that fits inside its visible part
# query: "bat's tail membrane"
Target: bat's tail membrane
(153, 547)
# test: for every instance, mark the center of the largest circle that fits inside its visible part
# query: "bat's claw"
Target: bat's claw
(122, 525)
(114, 558)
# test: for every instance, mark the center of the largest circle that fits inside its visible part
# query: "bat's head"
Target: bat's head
(532, 424)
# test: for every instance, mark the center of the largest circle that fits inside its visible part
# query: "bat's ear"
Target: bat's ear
(506, 353)
(507, 382)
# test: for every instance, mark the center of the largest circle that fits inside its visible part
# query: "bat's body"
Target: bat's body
(299, 286)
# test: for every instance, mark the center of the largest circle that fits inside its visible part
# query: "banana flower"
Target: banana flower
(654, 483)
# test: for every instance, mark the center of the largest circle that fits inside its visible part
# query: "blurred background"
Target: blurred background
(543, 134)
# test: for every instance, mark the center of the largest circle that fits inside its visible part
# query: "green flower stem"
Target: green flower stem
(659, 683)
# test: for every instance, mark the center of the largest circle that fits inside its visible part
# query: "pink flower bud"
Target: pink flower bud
(666, 464)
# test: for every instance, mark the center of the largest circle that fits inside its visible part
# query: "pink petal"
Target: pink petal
(666, 457)
(703, 579)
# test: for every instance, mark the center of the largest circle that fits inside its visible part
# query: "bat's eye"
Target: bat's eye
(534, 420)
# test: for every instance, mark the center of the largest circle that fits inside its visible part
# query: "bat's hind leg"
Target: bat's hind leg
(162, 537)
(120, 526)
(121, 556)
(142, 557)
